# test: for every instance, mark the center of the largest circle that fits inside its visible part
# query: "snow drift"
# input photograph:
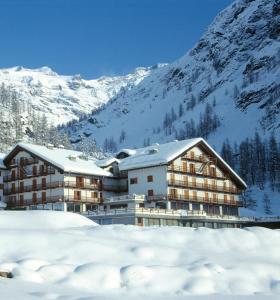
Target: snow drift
(28, 220)
(79, 261)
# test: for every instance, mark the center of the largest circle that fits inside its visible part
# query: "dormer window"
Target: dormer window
(122, 155)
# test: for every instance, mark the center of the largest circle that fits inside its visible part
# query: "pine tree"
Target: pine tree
(266, 204)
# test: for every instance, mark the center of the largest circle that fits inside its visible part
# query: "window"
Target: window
(150, 192)
(150, 178)
(134, 180)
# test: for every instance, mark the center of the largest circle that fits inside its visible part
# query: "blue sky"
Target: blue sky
(105, 37)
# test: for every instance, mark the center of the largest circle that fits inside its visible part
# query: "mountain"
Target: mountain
(64, 98)
(226, 87)
(235, 66)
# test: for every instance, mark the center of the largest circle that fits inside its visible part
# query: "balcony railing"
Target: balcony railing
(53, 199)
(51, 185)
(200, 199)
(115, 188)
(26, 175)
(29, 161)
(203, 186)
(194, 172)
(209, 200)
(179, 214)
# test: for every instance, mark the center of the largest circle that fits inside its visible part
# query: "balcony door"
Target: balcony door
(44, 184)
(186, 195)
(80, 182)
(21, 200)
(185, 181)
(184, 166)
(77, 195)
(192, 168)
(34, 198)
(21, 187)
(34, 184)
(44, 197)
(172, 178)
(173, 193)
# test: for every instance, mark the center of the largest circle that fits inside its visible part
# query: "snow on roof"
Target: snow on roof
(105, 162)
(2, 165)
(67, 160)
(158, 154)
(161, 154)
(127, 151)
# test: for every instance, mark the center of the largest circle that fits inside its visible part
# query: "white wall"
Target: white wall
(159, 184)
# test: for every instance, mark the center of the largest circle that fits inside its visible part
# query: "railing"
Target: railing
(29, 161)
(198, 199)
(194, 172)
(27, 175)
(182, 214)
(203, 186)
(53, 199)
(121, 174)
(51, 185)
(114, 188)
(125, 198)
(199, 158)
(209, 200)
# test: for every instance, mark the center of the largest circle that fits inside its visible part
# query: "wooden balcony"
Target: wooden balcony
(198, 158)
(202, 186)
(181, 170)
(29, 161)
(200, 199)
(51, 185)
(26, 175)
(53, 199)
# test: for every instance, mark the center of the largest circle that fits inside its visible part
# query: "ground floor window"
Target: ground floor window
(230, 210)
(180, 205)
(211, 209)
(73, 207)
(195, 206)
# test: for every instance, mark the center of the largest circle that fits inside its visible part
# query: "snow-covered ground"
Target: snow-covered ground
(56, 255)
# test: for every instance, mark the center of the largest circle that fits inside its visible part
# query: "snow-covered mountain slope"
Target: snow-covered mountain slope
(234, 67)
(64, 98)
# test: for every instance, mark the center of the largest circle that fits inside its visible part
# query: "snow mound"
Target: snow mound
(118, 261)
(29, 220)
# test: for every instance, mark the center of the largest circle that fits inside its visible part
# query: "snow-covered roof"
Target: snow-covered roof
(2, 165)
(157, 154)
(61, 158)
(105, 162)
(161, 154)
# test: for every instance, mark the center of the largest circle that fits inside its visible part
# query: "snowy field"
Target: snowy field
(56, 255)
